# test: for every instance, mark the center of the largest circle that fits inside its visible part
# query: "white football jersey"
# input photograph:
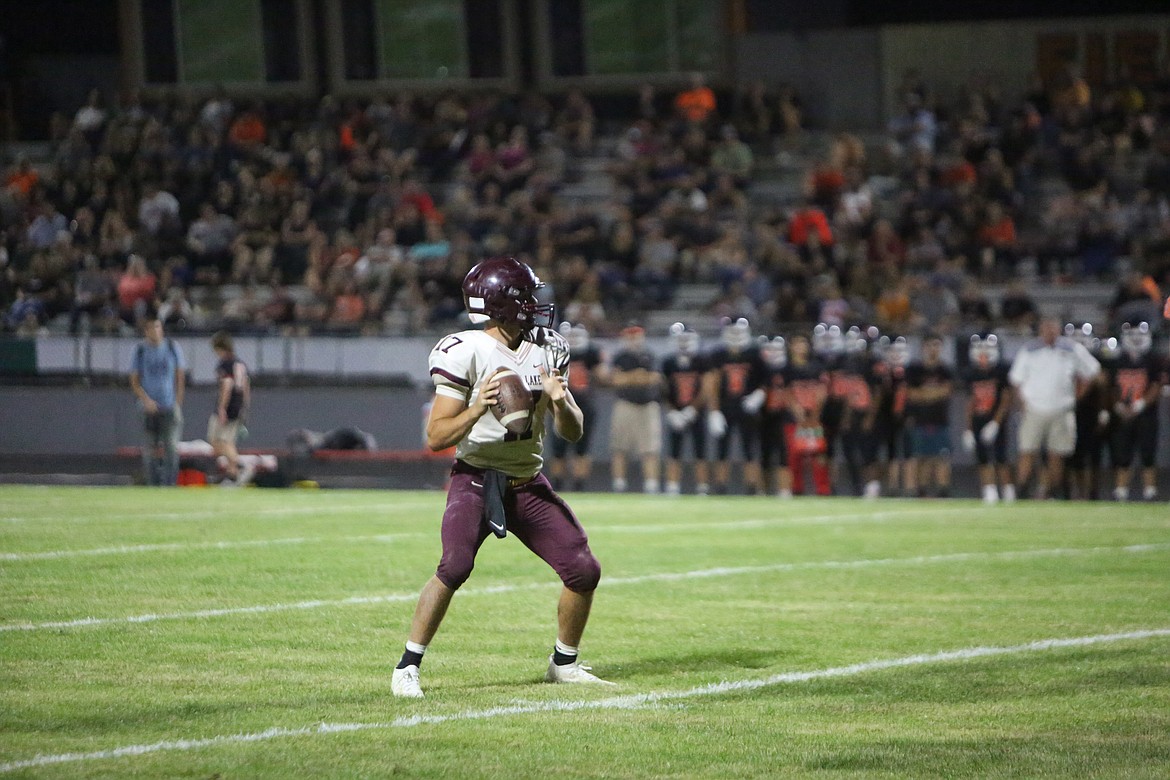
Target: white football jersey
(461, 362)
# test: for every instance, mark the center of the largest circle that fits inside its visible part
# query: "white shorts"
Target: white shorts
(1056, 431)
(636, 428)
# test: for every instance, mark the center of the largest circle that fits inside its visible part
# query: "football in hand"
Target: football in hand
(514, 401)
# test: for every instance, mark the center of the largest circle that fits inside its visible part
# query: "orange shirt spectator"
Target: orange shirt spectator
(998, 230)
(808, 220)
(136, 288)
(697, 103)
(248, 130)
(349, 308)
(23, 179)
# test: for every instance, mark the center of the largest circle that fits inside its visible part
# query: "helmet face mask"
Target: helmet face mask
(684, 340)
(1136, 340)
(503, 289)
(774, 352)
(984, 350)
(737, 334)
(898, 353)
(827, 341)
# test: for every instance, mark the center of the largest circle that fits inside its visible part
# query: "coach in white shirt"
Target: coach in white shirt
(1048, 374)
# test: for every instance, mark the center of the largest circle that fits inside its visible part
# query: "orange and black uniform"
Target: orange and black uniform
(684, 380)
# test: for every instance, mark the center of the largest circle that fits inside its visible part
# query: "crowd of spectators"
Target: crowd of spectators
(364, 215)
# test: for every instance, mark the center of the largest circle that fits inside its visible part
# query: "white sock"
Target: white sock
(619, 484)
(415, 648)
(1009, 492)
(990, 494)
(702, 489)
(650, 486)
(673, 488)
(1121, 493)
(785, 493)
(1149, 493)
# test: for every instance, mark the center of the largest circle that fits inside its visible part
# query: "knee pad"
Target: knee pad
(584, 573)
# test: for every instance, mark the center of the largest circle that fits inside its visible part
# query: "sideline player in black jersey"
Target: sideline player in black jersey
(988, 404)
(683, 370)
(1083, 467)
(888, 370)
(851, 384)
(774, 416)
(1136, 380)
(587, 369)
(928, 400)
(729, 369)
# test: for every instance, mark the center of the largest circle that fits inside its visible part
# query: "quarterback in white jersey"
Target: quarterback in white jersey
(496, 485)
(460, 366)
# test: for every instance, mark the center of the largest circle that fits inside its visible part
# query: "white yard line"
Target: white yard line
(184, 546)
(742, 524)
(722, 571)
(626, 702)
(228, 510)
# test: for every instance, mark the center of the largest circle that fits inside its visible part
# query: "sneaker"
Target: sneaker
(569, 673)
(702, 489)
(990, 494)
(404, 683)
(619, 485)
(1149, 493)
(673, 489)
(1009, 493)
(873, 489)
(1121, 494)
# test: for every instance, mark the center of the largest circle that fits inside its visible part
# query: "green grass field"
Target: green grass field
(216, 633)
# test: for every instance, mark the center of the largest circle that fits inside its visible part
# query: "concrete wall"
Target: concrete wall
(848, 78)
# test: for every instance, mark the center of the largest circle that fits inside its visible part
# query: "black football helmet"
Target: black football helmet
(504, 289)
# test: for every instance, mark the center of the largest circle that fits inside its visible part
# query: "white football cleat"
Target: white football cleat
(572, 673)
(404, 683)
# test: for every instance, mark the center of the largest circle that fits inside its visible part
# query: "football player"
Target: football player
(808, 387)
(988, 404)
(850, 384)
(1083, 467)
(929, 384)
(774, 415)
(586, 370)
(496, 483)
(729, 369)
(828, 346)
(892, 356)
(683, 370)
(1136, 380)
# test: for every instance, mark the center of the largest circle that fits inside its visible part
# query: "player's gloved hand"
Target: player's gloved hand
(689, 414)
(968, 441)
(989, 432)
(753, 401)
(1121, 409)
(716, 423)
(1138, 406)
(1102, 418)
(676, 419)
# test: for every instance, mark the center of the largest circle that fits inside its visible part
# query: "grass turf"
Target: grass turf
(228, 626)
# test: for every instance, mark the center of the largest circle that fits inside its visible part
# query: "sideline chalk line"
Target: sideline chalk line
(627, 702)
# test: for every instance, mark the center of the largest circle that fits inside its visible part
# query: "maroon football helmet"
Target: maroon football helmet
(504, 289)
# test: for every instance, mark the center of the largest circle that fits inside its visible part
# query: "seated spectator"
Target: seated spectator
(248, 131)
(240, 310)
(93, 294)
(301, 242)
(23, 179)
(696, 104)
(893, 309)
(209, 243)
(115, 239)
(43, 230)
(176, 311)
(253, 246)
(137, 287)
(996, 239)
(27, 314)
(349, 307)
(1017, 310)
(805, 221)
(732, 157)
(575, 122)
(514, 162)
(884, 248)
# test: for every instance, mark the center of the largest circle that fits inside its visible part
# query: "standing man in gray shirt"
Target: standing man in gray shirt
(636, 425)
(158, 377)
